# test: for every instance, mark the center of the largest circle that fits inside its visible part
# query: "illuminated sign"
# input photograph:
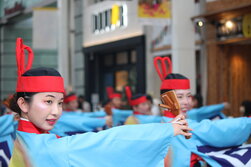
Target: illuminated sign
(109, 19)
(115, 14)
(236, 27)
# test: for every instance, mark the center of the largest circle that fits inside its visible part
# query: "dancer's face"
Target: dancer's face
(44, 109)
(185, 99)
(116, 102)
(144, 108)
(72, 105)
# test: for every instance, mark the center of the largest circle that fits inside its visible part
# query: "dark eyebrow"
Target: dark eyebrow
(50, 96)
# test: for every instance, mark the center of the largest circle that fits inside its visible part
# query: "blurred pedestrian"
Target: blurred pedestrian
(83, 104)
(245, 108)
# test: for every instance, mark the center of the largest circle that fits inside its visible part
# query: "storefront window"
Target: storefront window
(132, 78)
(122, 58)
(108, 60)
(121, 79)
(119, 70)
(133, 56)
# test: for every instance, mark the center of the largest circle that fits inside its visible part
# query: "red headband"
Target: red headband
(111, 94)
(175, 84)
(114, 95)
(163, 72)
(33, 83)
(138, 101)
(134, 102)
(68, 99)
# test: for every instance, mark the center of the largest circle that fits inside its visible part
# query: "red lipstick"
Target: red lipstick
(51, 121)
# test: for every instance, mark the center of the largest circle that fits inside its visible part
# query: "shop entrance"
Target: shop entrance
(115, 64)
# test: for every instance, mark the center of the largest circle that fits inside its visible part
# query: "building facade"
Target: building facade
(227, 44)
(29, 20)
(122, 53)
(95, 44)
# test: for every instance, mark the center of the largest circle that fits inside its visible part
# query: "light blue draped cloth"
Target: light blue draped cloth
(123, 146)
(7, 136)
(206, 112)
(119, 116)
(221, 133)
(80, 122)
(145, 119)
(100, 113)
(74, 123)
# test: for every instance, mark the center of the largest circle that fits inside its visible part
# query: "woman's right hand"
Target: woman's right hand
(180, 126)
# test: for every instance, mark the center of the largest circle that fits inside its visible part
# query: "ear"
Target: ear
(135, 108)
(23, 105)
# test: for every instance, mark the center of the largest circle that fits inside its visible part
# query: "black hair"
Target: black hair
(81, 97)
(104, 103)
(247, 105)
(149, 97)
(137, 96)
(80, 104)
(172, 76)
(41, 71)
(199, 99)
(13, 102)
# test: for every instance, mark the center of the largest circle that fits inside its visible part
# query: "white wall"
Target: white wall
(183, 40)
(152, 78)
(134, 28)
(63, 41)
(45, 28)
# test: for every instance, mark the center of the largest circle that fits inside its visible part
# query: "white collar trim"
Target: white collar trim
(24, 119)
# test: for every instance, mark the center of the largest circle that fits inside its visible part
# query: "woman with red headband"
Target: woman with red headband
(38, 99)
(114, 98)
(82, 122)
(206, 134)
(71, 103)
(141, 109)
